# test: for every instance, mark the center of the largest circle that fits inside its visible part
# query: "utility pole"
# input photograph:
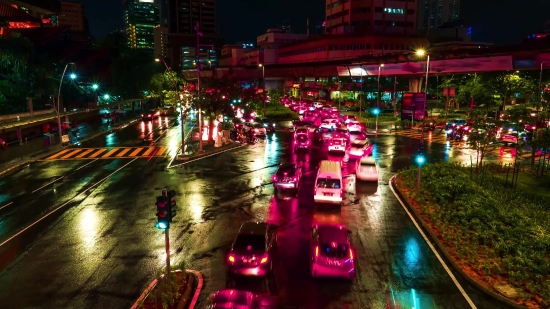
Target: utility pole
(197, 55)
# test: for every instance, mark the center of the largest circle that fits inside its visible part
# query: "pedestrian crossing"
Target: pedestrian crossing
(441, 138)
(108, 153)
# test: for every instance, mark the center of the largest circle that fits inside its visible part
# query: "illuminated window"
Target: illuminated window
(394, 11)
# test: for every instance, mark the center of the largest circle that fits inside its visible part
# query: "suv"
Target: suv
(288, 176)
(253, 250)
(331, 254)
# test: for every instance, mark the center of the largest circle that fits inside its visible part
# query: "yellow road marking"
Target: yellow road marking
(123, 152)
(148, 152)
(161, 151)
(58, 154)
(135, 152)
(97, 153)
(85, 153)
(71, 154)
(110, 153)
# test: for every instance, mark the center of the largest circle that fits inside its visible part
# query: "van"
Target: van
(367, 169)
(328, 185)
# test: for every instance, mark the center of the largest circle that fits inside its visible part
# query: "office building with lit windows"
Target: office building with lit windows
(140, 18)
(371, 16)
(183, 15)
(434, 13)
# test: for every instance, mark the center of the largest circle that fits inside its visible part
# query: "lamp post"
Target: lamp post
(422, 52)
(182, 114)
(57, 111)
(95, 87)
(380, 66)
(419, 160)
(263, 81)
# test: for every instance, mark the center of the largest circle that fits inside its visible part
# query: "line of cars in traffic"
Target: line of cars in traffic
(255, 247)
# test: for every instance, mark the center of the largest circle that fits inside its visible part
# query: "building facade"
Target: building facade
(140, 18)
(161, 42)
(47, 13)
(370, 16)
(72, 15)
(434, 13)
(183, 16)
(276, 38)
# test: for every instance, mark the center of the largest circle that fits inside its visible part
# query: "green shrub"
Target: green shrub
(280, 112)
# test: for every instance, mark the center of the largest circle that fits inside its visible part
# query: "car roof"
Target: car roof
(368, 160)
(253, 228)
(339, 138)
(332, 233)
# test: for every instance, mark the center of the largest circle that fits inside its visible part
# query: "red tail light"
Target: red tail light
(264, 259)
(231, 258)
(350, 254)
(317, 251)
(274, 178)
(294, 179)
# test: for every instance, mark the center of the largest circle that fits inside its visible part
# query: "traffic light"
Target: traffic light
(171, 194)
(420, 159)
(164, 212)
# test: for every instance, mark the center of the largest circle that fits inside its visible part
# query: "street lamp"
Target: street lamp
(95, 86)
(376, 111)
(57, 111)
(106, 96)
(73, 76)
(182, 114)
(422, 52)
(380, 66)
(263, 81)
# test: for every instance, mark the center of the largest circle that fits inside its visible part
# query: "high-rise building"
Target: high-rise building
(141, 17)
(183, 16)
(72, 15)
(435, 13)
(371, 16)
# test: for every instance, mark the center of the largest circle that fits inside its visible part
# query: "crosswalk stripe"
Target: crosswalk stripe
(110, 153)
(58, 154)
(71, 154)
(135, 152)
(123, 152)
(85, 153)
(148, 152)
(161, 151)
(97, 153)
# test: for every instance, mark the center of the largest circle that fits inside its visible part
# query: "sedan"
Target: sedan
(331, 253)
(354, 126)
(329, 124)
(150, 115)
(360, 148)
(288, 176)
(337, 144)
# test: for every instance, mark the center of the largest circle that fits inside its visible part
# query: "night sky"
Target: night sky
(497, 21)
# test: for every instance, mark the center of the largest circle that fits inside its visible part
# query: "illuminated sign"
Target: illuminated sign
(296, 86)
(147, 1)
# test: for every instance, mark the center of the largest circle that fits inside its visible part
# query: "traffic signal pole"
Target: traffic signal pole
(166, 211)
(167, 240)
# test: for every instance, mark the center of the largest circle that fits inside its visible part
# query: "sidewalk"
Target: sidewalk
(16, 155)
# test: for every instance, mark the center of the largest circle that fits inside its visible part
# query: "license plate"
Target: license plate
(328, 194)
(333, 263)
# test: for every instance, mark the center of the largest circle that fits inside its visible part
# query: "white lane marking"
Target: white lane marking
(8, 204)
(179, 148)
(64, 204)
(59, 178)
(468, 300)
(206, 156)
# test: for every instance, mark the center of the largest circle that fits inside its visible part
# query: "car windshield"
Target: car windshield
(249, 242)
(368, 164)
(328, 183)
(326, 130)
(257, 125)
(357, 146)
(334, 250)
(290, 171)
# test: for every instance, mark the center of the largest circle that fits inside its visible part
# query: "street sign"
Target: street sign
(449, 91)
(65, 139)
(412, 103)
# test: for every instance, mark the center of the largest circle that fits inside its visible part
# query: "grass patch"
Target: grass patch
(280, 112)
(366, 117)
(495, 234)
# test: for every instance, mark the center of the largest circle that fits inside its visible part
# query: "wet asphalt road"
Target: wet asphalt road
(101, 248)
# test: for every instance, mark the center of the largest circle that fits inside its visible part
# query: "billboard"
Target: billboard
(412, 103)
(467, 65)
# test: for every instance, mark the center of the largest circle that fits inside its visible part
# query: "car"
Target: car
(454, 123)
(341, 132)
(252, 251)
(318, 104)
(288, 176)
(515, 136)
(259, 129)
(331, 254)
(354, 126)
(337, 144)
(297, 124)
(326, 134)
(367, 169)
(329, 123)
(360, 148)
(310, 116)
(328, 183)
(269, 125)
(150, 115)
(301, 130)
(357, 135)
(230, 299)
(249, 116)
(349, 118)
(302, 141)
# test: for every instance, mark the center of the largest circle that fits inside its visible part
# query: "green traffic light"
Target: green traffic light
(106, 96)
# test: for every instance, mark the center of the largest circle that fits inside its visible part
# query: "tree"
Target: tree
(163, 86)
(275, 97)
(482, 138)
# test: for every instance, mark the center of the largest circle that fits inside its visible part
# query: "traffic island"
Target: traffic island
(180, 292)
(494, 236)
(208, 150)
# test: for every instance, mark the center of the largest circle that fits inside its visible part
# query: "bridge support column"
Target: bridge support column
(415, 84)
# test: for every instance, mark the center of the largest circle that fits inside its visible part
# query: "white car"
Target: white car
(354, 126)
(360, 148)
(259, 129)
(329, 124)
(317, 104)
(357, 135)
(337, 144)
(301, 130)
(367, 169)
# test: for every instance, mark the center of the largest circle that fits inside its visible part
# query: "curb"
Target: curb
(153, 283)
(441, 248)
(40, 157)
(204, 155)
